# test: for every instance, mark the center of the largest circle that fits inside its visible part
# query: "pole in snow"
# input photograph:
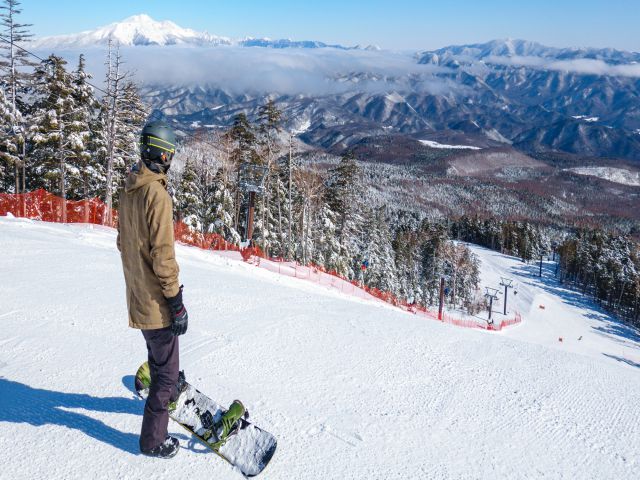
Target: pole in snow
(252, 206)
(441, 307)
(506, 283)
(251, 179)
(541, 265)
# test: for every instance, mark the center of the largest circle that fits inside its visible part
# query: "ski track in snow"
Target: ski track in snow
(352, 389)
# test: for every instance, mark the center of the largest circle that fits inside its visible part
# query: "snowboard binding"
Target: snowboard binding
(229, 423)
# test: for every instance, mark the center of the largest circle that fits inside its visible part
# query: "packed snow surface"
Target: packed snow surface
(433, 144)
(352, 389)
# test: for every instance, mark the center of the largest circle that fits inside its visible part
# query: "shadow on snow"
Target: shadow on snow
(623, 360)
(20, 403)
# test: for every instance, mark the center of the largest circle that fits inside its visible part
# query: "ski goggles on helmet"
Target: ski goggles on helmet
(155, 148)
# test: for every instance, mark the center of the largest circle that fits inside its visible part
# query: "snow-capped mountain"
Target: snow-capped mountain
(136, 30)
(142, 30)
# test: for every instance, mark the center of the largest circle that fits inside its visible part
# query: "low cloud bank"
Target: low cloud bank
(265, 70)
(583, 66)
(312, 72)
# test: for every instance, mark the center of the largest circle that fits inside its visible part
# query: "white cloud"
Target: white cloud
(584, 66)
(268, 70)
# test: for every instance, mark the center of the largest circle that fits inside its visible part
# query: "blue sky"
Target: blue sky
(400, 24)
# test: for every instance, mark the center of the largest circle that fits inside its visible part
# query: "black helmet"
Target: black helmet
(157, 145)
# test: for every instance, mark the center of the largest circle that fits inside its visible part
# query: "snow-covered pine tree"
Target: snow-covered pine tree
(378, 253)
(87, 177)
(326, 248)
(273, 227)
(189, 204)
(15, 79)
(344, 197)
(605, 266)
(220, 208)
(433, 265)
(52, 125)
(242, 141)
(462, 272)
(130, 115)
(307, 205)
(275, 212)
(491, 233)
(9, 154)
(406, 246)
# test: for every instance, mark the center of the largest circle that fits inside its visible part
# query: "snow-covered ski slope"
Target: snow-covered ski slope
(352, 389)
(553, 315)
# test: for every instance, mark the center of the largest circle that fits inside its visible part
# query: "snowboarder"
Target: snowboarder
(154, 294)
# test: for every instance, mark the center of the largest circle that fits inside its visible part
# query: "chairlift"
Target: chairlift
(252, 177)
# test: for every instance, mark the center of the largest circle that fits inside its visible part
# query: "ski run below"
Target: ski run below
(352, 389)
(434, 144)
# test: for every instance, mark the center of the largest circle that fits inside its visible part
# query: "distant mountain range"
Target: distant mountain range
(491, 52)
(142, 30)
(505, 92)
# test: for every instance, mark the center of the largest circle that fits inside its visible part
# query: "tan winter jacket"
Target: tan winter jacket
(146, 244)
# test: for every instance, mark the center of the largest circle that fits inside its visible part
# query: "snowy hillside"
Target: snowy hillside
(352, 389)
(616, 175)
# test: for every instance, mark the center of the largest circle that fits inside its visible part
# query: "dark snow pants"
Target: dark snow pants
(162, 347)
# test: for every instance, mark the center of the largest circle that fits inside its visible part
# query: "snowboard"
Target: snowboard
(247, 447)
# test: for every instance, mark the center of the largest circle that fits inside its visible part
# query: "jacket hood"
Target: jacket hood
(140, 176)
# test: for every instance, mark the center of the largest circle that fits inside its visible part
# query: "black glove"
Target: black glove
(179, 315)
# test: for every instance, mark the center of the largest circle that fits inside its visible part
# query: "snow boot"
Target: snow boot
(167, 449)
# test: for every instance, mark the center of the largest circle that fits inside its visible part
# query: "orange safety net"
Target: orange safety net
(206, 241)
(42, 205)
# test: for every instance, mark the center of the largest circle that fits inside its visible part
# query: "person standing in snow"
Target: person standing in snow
(154, 294)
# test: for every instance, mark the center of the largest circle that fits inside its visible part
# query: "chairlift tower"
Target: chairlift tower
(491, 294)
(507, 283)
(251, 179)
